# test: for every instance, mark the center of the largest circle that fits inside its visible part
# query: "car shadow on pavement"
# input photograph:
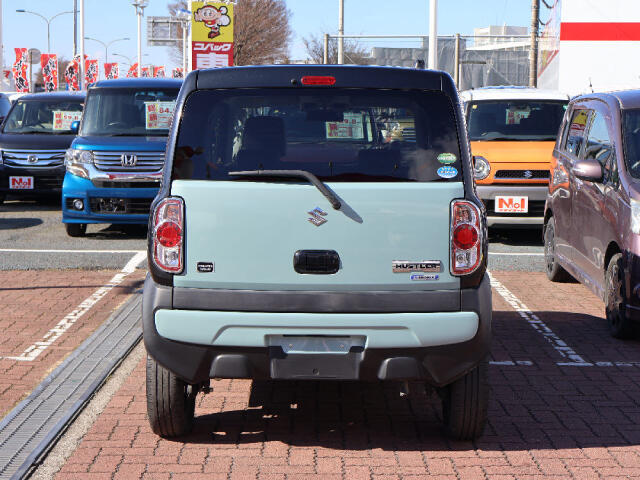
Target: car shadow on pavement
(536, 401)
(44, 204)
(516, 236)
(114, 232)
(18, 223)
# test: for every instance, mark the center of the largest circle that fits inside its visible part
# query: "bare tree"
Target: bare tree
(354, 53)
(261, 32)
(175, 52)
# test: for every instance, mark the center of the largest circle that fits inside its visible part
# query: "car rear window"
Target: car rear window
(338, 134)
(515, 120)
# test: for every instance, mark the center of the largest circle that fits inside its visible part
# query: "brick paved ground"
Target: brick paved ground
(33, 303)
(546, 420)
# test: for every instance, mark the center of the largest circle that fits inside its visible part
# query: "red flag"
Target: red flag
(90, 71)
(111, 71)
(71, 73)
(177, 73)
(159, 71)
(49, 64)
(133, 71)
(20, 70)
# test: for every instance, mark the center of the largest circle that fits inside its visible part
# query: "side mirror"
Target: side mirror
(588, 169)
(75, 126)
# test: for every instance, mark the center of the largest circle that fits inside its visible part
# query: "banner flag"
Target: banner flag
(111, 71)
(49, 65)
(20, 69)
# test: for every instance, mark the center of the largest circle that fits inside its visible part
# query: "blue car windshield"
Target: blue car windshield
(346, 135)
(129, 112)
(43, 116)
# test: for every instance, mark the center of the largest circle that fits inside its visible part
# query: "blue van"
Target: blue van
(114, 165)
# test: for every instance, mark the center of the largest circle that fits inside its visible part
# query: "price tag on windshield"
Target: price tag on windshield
(62, 119)
(158, 115)
(352, 127)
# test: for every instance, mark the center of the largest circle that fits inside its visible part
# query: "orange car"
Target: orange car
(512, 133)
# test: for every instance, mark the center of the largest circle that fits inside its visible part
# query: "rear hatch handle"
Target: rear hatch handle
(310, 177)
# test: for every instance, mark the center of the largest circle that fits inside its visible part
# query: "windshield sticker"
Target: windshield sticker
(158, 115)
(423, 277)
(447, 158)
(352, 127)
(63, 119)
(447, 172)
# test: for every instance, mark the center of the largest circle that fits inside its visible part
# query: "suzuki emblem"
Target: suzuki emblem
(128, 160)
(528, 174)
(32, 159)
(317, 216)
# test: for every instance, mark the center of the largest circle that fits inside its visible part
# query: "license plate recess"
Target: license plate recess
(315, 357)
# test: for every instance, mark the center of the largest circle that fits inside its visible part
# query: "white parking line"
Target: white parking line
(517, 254)
(32, 250)
(32, 352)
(539, 326)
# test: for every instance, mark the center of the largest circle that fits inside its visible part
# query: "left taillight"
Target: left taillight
(466, 237)
(168, 235)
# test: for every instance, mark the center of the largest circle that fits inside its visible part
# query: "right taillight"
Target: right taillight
(466, 237)
(168, 235)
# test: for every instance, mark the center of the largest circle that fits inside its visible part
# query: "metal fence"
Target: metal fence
(473, 61)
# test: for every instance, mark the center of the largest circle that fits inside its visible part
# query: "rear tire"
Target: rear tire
(616, 299)
(465, 403)
(554, 271)
(170, 404)
(76, 229)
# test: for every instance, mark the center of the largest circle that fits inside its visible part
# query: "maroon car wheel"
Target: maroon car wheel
(554, 271)
(615, 298)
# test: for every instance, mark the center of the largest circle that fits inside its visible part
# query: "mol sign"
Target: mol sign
(590, 44)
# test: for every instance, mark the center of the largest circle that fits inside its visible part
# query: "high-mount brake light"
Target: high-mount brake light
(168, 235)
(466, 237)
(318, 80)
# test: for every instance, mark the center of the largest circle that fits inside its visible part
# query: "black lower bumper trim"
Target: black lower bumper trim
(438, 365)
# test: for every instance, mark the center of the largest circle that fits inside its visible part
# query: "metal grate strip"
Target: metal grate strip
(31, 428)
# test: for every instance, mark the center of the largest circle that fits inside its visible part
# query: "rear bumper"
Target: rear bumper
(75, 187)
(537, 195)
(433, 345)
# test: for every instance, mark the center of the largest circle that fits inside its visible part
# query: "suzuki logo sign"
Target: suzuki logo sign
(128, 160)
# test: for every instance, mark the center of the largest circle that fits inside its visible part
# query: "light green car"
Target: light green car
(290, 240)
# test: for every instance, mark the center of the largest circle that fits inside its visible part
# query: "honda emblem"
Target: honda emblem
(32, 159)
(128, 160)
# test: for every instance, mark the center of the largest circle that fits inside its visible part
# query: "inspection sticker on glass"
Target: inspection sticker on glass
(447, 158)
(63, 119)
(158, 114)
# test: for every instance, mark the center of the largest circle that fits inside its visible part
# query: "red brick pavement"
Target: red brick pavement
(33, 303)
(546, 421)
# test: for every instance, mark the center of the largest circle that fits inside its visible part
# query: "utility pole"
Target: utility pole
(75, 27)
(1, 51)
(81, 61)
(533, 47)
(341, 32)
(433, 35)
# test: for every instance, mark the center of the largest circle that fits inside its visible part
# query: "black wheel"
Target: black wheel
(465, 403)
(76, 229)
(171, 402)
(615, 299)
(554, 271)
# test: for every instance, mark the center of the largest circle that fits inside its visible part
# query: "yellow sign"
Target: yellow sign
(212, 22)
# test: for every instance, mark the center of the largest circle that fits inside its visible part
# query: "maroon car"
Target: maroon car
(592, 213)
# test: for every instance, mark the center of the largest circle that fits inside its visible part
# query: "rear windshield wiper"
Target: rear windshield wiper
(310, 177)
